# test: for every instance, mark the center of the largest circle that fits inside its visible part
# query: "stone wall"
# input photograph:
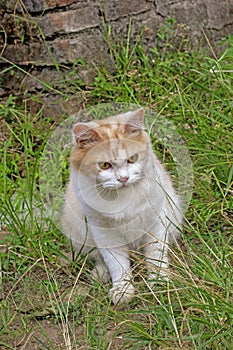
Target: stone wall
(45, 38)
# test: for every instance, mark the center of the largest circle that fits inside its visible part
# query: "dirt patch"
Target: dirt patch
(43, 334)
(47, 309)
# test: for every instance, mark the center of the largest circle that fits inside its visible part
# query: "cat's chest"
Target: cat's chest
(109, 232)
(132, 207)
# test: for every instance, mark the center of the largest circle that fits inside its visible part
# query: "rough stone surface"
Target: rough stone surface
(61, 51)
(39, 36)
(115, 9)
(70, 21)
(42, 5)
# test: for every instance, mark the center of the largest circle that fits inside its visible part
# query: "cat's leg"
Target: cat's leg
(118, 263)
(156, 254)
(100, 271)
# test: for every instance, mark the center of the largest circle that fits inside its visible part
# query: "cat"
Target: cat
(120, 198)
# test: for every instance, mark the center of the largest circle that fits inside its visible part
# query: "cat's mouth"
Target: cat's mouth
(120, 185)
(109, 186)
(115, 186)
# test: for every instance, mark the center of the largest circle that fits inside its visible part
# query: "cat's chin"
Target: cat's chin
(122, 186)
(119, 186)
(116, 187)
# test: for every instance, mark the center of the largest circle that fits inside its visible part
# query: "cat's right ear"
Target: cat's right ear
(85, 135)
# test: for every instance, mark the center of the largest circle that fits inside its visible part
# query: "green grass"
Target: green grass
(43, 292)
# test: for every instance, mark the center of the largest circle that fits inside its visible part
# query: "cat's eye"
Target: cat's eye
(104, 165)
(133, 158)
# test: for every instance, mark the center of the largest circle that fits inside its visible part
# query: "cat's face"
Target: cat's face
(120, 164)
(112, 152)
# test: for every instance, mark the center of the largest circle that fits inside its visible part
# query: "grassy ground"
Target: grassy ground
(46, 298)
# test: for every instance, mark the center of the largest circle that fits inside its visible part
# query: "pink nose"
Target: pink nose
(123, 179)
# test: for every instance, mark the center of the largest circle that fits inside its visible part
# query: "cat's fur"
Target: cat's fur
(119, 198)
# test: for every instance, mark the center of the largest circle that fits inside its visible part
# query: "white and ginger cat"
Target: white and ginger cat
(119, 198)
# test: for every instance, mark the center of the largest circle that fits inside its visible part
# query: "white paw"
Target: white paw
(121, 292)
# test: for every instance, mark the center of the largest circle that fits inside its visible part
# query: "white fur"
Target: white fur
(115, 218)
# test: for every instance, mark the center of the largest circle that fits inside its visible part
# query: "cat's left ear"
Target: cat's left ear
(135, 121)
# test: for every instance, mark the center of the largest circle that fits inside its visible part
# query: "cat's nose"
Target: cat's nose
(123, 179)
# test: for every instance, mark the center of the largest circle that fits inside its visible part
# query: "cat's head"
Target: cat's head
(111, 152)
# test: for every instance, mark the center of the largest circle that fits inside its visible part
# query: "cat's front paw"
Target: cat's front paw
(121, 292)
